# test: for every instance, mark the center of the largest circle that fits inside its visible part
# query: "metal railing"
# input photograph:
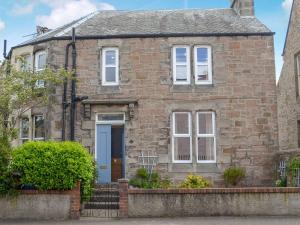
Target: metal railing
(293, 175)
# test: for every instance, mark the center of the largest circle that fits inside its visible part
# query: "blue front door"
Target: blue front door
(103, 152)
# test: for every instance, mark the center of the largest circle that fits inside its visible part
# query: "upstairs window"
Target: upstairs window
(297, 77)
(298, 129)
(40, 64)
(40, 60)
(110, 67)
(203, 65)
(38, 127)
(206, 138)
(181, 65)
(182, 137)
(26, 63)
(24, 129)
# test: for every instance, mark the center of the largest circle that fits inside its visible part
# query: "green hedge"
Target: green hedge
(54, 166)
(6, 179)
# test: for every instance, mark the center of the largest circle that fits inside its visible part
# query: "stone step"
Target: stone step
(101, 205)
(106, 191)
(104, 198)
(101, 213)
(112, 185)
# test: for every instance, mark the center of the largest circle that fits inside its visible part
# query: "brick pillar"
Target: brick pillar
(123, 202)
(75, 202)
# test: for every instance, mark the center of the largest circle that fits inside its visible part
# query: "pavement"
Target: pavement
(168, 221)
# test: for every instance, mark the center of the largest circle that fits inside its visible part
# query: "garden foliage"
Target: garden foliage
(193, 181)
(145, 180)
(54, 166)
(234, 175)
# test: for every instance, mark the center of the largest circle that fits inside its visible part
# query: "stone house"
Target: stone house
(194, 89)
(288, 87)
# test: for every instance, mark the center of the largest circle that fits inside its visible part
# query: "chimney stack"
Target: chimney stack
(243, 7)
(41, 30)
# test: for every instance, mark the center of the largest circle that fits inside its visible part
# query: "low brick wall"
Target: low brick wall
(212, 202)
(33, 204)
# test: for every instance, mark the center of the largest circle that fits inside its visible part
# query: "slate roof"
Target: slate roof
(184, 22)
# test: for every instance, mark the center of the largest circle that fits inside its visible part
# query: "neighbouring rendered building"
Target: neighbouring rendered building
(288, 87)
(194, 89)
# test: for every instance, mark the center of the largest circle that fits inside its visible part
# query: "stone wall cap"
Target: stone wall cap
(216, 190)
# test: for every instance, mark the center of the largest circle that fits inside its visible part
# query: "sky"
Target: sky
(19, 18)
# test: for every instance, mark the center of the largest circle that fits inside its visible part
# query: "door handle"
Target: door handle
(103, 167)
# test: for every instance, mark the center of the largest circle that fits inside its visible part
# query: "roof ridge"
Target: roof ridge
(165, 10)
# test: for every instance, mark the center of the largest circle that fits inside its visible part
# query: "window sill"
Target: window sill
(111, 85)
(192, 88)
(38, 139)
(108, 89)
(193, 168)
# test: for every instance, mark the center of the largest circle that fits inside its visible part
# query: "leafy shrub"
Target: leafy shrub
(234, 175)
(281, 182)
(54, 166)
(293, 163)
(6, 180)
(194, 181)
(293, 166)
(144, 180)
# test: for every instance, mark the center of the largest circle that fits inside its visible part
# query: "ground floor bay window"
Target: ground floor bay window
(24, 129)
(205, 138)
(38, 127)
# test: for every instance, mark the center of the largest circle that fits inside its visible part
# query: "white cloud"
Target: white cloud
(2, 25)
(287, 5)
(56, 3)
(23, 9)
(65, 11)
(105, 6)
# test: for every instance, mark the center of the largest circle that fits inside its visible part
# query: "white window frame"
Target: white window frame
(298, 72)
(187, 64)
(209, 64)
(36, 59)
(23, 63)
(21, 128)
(113, 122)
(213, 135)
(39, 83)
(104, 66)
(33, 128)
(174, 135)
